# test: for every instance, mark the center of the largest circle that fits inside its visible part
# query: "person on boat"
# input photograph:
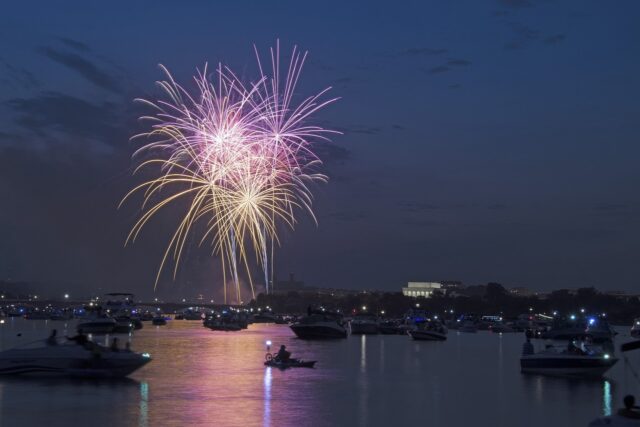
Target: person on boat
(52, 340)
(283, 355)
(527, 347)
(630, 409)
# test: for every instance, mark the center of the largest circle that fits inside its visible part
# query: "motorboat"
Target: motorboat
(621, 419)
(222, 323)
(364, 324)
(321, 325)
(274, 362)
(599, 330)
(575, 360)
(432, 330)
(391, 327)
(565, 329)
(264, 317)
(468, 326)
(124, 325)
(502, 328)
(635, 328)
(159, 320)
(70, 359)
(97, 325)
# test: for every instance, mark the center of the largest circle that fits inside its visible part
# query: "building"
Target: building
(421, 289)
(521, 291)
(291, 285)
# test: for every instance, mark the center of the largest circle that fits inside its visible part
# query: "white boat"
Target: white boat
(320, 326)
(364, 324)
(619, 419)
(635, 328)
(584, 361)
(70, 359)
(97, 325)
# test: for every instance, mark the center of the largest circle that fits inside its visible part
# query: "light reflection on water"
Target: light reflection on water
(199, 377)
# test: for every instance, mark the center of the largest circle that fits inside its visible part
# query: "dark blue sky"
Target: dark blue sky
(483, 140)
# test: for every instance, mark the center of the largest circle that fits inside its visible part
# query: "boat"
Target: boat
(38, 315)
(502, 328)
(224, 322)
(273, 362)
(320, 325)
(391, 327)
(159, 320)
(263, 317)
(70, 359)
(619, 420)
(431, 330)
(97, 325)
(599, 330)
(635, 328)
(364, 324)
(124, 325)
(575, 360)
(468, 326)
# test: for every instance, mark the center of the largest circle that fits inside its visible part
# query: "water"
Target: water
(199, 377)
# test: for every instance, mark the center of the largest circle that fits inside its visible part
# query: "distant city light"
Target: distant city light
(417, 305)
(573, 317)
(582, 310)
(382, 312)
(364, 307)
(555, 313)
(1, 321)
(606, 356)
(66, 296)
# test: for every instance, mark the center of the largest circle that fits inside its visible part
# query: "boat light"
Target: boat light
(592, 321)
(606, 355)
(146, 355)
(573, 317)
(2, 322)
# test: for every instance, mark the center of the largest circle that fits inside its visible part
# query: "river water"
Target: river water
(203, 378)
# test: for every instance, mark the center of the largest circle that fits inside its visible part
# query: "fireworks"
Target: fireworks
(238, 156)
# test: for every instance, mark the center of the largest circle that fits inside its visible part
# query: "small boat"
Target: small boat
(391, 327)
(284, 364)
(97, 325)
(220, 323)
(264, 317)
(323, 325)
(468, 326)
(37, 315)
(364, 324)
(635, 329)
(622, 418)
(70, 359)
(431, 330)
(502, 328)
(159, 321)
(576, 360)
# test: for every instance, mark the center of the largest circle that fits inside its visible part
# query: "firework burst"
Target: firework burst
(238, 156)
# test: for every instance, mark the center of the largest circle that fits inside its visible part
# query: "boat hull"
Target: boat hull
(566, 366)
(364, 328)
(309, 332)
(428, 335)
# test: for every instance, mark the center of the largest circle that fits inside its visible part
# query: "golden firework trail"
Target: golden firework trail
(237, 156)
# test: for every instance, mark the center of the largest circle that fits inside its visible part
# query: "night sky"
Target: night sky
(483, 140)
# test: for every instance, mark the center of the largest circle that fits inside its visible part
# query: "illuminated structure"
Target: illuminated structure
(421, 289)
